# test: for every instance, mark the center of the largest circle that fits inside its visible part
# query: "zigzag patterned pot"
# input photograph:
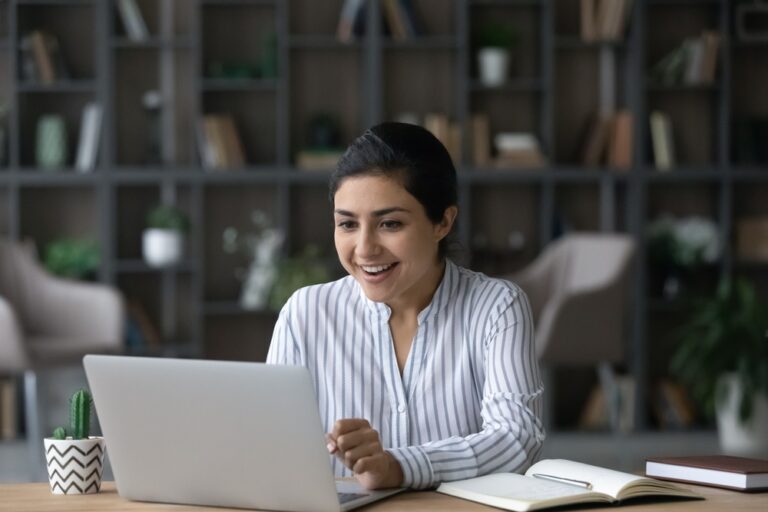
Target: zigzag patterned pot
(74, 466)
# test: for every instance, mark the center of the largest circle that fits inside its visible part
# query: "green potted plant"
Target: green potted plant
(75, 458)
(495, 43)
(723, 357)
(72, 258)
(163, 240)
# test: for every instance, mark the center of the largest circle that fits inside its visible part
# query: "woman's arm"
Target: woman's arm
(512, 432)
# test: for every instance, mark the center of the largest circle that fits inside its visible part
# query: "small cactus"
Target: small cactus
(80, 414)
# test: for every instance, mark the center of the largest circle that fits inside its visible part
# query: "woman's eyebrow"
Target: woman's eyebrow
(375, 213)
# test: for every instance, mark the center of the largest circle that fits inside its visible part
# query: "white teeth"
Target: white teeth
(376, 269)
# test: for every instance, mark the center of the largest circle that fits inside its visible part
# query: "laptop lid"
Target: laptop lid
(212, 433)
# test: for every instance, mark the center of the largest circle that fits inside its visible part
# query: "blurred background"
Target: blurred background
(175, 155)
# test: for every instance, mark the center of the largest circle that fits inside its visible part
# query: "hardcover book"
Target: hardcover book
(739, 473)
(557, 482)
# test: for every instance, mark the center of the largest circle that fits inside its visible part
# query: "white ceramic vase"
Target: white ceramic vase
(748, 439)
(493, 66)
(74, 466)
(162, 247)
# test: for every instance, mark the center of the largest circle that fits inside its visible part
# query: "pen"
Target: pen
(580, 483)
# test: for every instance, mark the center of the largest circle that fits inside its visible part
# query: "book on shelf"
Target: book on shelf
(220, 144)
(517, 150)
(557, 482)
(90, 131)
(737, 473)
(481, 140)
(318, 159)
(351, 20)
(604, 20)
(142, 330)
(620, 144)
(694, 62)
(133, 22)
(662, 141)
(752, 239)
(596, 140)
(9, 409)
(447, 132)
(672, 407)
(395, 19)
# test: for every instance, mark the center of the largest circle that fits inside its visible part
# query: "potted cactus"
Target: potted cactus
(75, 458)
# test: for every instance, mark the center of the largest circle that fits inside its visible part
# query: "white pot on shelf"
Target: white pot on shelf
(162, 247)
(493, 66)
(75, 466)
(750, 438)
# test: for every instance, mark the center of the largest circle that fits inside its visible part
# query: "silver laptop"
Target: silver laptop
(216, 433)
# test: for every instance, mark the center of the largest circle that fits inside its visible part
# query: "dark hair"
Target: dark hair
(411, 155)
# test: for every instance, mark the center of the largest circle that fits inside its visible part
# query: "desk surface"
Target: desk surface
(38, 498)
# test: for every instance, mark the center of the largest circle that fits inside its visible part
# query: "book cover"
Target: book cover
(739, 473)
(556, 482)
(620, 148)
(88, 145)
(133, 22)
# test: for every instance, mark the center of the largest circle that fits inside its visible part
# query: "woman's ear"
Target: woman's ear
(444, 226)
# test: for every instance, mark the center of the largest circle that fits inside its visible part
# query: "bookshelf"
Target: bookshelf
(275, 65)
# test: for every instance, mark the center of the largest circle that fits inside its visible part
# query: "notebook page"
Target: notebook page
(603, 480)
(519, 487)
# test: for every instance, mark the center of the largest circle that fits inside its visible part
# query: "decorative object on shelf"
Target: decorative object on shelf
(663, 142)
(294, 273)
(323, 140)
(51, 150)
(262, 247)
(75, 458)
(722, 356)
(152, 101)
(495, 43)
(678, 246)
(752, 21)
(163, 240)
(73, 258)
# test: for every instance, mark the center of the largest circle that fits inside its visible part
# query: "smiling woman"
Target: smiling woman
(424, 371)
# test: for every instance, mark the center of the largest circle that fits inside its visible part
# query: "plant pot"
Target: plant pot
(74, 466)
(162, 247)
(736, 437)
(493, 66)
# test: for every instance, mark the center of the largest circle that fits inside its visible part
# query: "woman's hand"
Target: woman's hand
(358, 446)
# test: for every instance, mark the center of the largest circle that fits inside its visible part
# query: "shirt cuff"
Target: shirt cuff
(417, 469)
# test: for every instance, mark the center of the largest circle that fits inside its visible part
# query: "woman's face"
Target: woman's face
(385, 240)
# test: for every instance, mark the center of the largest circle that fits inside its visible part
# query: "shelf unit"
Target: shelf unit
(558, 81)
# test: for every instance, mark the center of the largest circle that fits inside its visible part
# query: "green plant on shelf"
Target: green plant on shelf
(497, 35)
(294, 273)
(168, 217)
(72, 258)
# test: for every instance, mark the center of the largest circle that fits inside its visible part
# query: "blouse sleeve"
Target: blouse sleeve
(512, 433)
(284, 348)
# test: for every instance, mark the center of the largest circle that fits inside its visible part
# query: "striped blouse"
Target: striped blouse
(469, 400)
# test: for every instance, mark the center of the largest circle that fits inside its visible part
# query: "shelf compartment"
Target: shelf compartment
(233, 84)
(47, 213)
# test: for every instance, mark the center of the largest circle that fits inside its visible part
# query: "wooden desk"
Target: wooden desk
(38, 498)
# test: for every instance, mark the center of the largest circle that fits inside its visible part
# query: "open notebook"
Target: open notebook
(556, 482)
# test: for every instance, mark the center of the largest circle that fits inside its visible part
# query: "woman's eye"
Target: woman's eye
(391, 224)
(346, 224)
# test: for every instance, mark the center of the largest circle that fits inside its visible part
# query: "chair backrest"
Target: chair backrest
(580, 307)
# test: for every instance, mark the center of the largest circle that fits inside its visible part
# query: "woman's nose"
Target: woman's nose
(367, 243)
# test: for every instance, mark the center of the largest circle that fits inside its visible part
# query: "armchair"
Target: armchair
(578, 293)
(47, 321)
